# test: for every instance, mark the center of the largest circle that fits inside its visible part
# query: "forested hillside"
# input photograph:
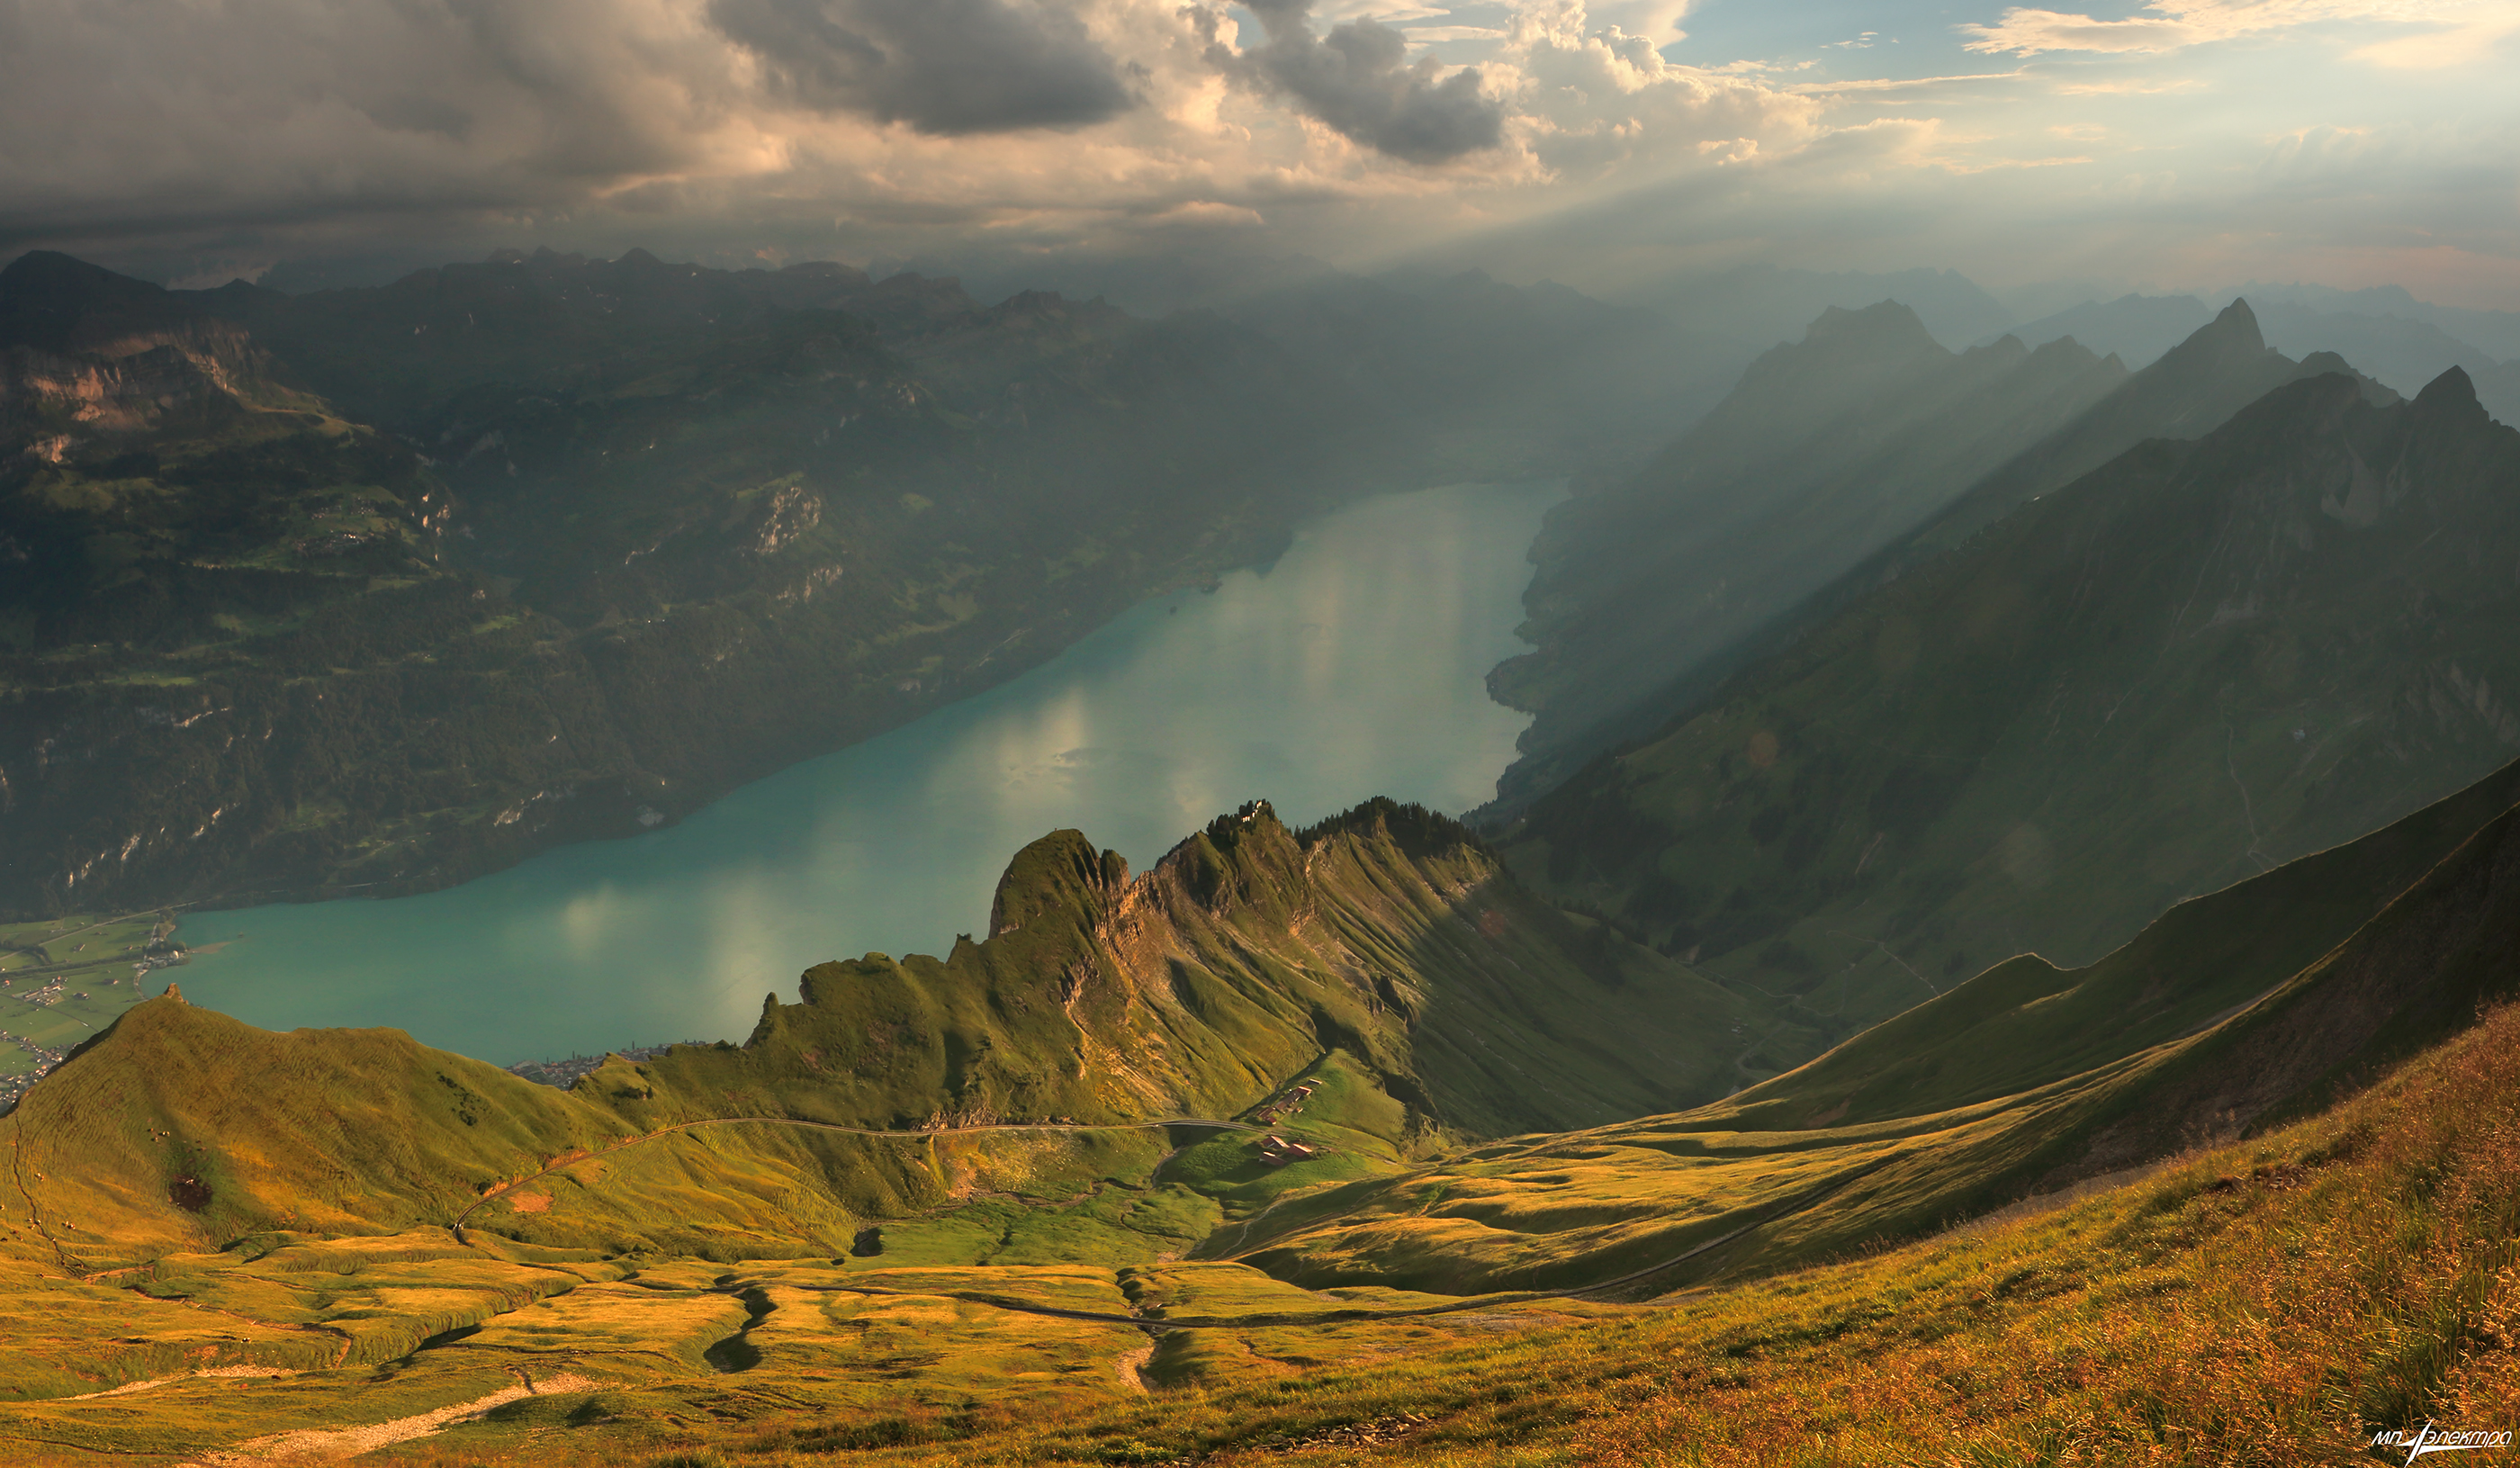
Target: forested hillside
(377, 590)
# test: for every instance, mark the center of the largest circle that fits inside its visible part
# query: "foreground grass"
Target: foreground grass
(2272, 1303)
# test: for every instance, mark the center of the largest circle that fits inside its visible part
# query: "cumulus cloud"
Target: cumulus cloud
(1590, 97)
(1657, 21)
(1359, 81)
(946, 67)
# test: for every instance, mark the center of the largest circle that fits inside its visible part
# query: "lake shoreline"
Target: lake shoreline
(1351, 665)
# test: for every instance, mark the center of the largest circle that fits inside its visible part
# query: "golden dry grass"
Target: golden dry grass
(2272, 1303)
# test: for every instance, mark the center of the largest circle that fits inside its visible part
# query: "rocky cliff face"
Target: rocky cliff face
(1245, 953)
(138, 383)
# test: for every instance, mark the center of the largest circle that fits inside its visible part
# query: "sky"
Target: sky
(2182, 145)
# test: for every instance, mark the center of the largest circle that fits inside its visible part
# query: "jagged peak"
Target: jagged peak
(2453, 391)
(2234, 322)
(2377, 394)
(2005, 349)
(1418, 831)
(2214, 348)
(1063, 869)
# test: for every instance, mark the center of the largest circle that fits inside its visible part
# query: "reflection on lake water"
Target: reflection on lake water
(1354, 666)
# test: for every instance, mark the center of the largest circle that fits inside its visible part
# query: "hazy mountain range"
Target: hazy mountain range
(1834, 463)
(2202, 659)
(2389, 335)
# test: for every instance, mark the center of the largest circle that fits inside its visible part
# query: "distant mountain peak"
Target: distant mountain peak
(2454, 391)
(2061, 346)
(50, 275)
(2377, 394)
(2211, 352)
(54, 301)
(637, 256)
(2237, 323)
(1885, 323)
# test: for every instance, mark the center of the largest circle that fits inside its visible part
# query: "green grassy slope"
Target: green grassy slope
(1384, 952)
(2190, 666)
(2276, 1302)
(2025, 1023)
(68, 978)
(2075, 1075)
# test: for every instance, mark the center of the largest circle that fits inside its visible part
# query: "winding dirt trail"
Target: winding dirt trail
(350, 1442)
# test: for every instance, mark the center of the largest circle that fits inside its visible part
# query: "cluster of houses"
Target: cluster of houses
(50, 994)
(1285, 1106)
(14, 1087)
(564, 1073)
(1276, 1151)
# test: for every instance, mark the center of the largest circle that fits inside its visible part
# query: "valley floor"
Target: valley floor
(2275, 1302)
(71, 976)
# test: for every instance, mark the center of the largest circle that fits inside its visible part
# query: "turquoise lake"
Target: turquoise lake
(1354, 666)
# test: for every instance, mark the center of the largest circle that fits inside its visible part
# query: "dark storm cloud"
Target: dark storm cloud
(135, 119)
(945, 67)
(1357, 81)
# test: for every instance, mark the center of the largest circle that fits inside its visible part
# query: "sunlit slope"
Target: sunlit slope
(2189, 666)
(182, 1130)
(2025, 1022)
(2276, 1302)
(1385, 952)
(1825, 1159)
